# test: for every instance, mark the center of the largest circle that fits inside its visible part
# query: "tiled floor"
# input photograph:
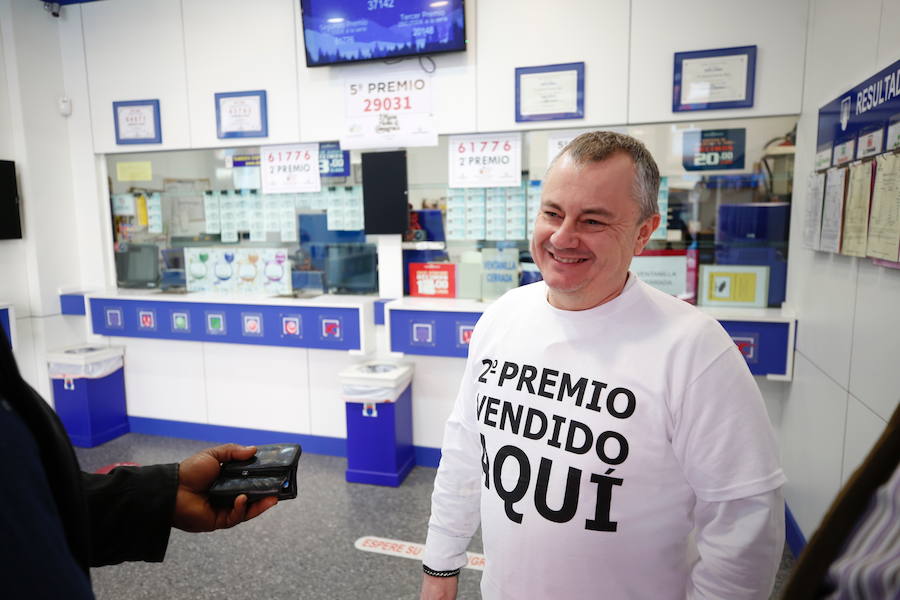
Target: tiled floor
(301, 549)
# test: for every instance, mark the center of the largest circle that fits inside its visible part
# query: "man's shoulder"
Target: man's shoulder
(672, 312)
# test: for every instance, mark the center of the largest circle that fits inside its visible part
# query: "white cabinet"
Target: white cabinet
(134, 50)
(660, 28)
(238, 46)
(533, 33)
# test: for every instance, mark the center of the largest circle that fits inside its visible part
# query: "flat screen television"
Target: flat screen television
(10, 218)
(345, 31)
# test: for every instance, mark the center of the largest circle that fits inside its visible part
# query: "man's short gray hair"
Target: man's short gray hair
(596, 146)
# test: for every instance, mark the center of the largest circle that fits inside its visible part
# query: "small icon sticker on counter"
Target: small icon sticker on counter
(252, 324)
(423, 333)
(332, 330)
(181, 322)
(147, 320)
(114, 318)
(215, 323)
(748, 344)
(291, 326)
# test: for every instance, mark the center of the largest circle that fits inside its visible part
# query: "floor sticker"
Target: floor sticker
(380, 545)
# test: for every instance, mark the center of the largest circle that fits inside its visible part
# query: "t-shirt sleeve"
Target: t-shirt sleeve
(456, 499)
(722, 435)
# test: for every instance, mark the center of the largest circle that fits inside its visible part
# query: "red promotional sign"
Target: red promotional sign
(432, 280)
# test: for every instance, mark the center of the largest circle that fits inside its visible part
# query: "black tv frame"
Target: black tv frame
(10, 213)
(394, 57)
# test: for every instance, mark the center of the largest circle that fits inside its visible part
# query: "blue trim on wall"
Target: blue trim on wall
(796, 541)
(314, 444)
(427, 457)
(72, 304)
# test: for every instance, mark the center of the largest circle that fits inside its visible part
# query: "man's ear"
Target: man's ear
(645, 230)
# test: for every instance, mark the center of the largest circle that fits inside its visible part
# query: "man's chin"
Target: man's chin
(563, 287)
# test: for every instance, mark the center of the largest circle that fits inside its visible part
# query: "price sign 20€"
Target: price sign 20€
(290, 168)
(485, 160)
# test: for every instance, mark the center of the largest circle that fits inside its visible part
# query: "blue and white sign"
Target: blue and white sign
(333, 162)
(865, 118)
(714, 149)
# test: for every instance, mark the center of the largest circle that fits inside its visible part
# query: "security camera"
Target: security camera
(52, 8)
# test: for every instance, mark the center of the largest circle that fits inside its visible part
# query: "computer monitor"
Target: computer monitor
(137, 266)
(351, 268)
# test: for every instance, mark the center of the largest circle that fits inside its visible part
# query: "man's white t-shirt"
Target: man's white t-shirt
(581, 440)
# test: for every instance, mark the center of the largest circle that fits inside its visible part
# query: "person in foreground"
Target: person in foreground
(56, 522)
(601, 425)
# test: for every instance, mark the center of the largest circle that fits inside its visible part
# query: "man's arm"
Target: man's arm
(439, 588)
(740, 543)
(132, 509)
(724, 441)
(456, 500)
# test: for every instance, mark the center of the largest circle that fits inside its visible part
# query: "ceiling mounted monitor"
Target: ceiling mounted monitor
(346, 31)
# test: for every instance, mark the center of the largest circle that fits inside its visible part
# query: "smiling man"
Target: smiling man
(608, 438)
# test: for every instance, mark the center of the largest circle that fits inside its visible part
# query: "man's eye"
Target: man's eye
(551, 214)
(592, 222)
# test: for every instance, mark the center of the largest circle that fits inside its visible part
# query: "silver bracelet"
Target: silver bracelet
(433, 573)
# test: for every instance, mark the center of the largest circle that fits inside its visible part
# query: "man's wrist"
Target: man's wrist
(429, 571)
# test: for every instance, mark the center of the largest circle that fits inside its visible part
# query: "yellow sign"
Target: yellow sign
(731, 287)
(134, 171)
(141, 210)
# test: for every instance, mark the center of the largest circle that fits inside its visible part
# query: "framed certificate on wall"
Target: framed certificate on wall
(241, 114)
(137, 122)
(550, 92)
(714, 79)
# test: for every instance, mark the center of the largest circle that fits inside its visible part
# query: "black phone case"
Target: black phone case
(271, 472)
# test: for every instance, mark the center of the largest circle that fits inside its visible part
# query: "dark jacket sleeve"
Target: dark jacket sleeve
(35, 559)
(130, 511)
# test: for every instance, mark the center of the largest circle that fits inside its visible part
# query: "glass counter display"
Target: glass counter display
(198, 221)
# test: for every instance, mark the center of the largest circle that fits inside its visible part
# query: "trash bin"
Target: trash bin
(89, 392)
(378, 398)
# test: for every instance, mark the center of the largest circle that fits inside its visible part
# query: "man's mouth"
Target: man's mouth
(566, 261)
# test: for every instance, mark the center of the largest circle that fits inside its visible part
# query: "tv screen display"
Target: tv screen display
(10, 218)
(342, 31)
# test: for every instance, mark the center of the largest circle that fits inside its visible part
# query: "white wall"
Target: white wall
(846, 381)
(659, 28)
(532, 34)
(14, 287)
(234, 46)
(49, 253)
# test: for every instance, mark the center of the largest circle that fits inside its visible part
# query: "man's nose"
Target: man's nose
(565, 235)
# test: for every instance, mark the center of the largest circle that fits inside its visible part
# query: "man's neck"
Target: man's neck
(577, 302)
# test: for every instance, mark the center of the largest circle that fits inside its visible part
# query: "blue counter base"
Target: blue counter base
(95, 439)
(792, 533)
(316, 444)
(379, 478)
